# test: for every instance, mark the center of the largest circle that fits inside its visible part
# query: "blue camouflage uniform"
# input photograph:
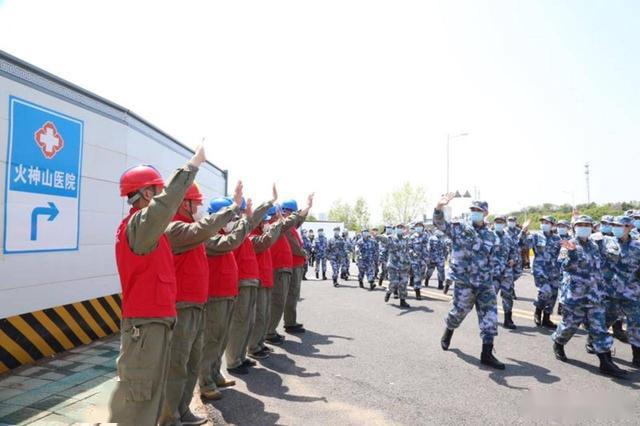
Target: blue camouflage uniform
(384, 254)
(398, 263)
(348, 250)
(581, 293)
(516, 235)
(419, 250)
(307, 247)
(437, 254)
(624, 292)
(366, 251)
(506, 250)
(471, 268)
(335, 252)
(546, 269)
(320, 249)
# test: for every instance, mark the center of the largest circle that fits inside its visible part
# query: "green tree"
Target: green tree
(343, 212)
(361, 214)
(404, 204)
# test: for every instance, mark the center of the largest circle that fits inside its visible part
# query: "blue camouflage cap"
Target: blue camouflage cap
(512, 219)
(500, 217)
(623, 220)
(607, 218)
(563, 222)
(635, 214)
(549, 218)
(482, 205)
(583, 218)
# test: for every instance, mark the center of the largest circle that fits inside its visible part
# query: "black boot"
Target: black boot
(372, 284)
(411, 284)
(609, 368)
(316, 275)
(380, 281)
(440, 285)
(636, 355)
(445, 341)
(536, 316)
(546, 321)
(418, 297)
(558, 350)
(324, 276)
(304, 277)
(395, 294)
(488, 359)
(447, 284)
(335, 282)
(386, 296)
(404, 304)
(619, 333)
(360, 283)
(589, 346)
(508, 322)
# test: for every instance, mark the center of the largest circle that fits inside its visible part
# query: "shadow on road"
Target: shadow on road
(242, 409)
(528, 330)
(281, 363)
(405, 311)
(632, 381)
(307, 345)
(516, 369)
(269, 383)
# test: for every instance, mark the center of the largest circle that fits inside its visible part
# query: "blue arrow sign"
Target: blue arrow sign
(52, 211)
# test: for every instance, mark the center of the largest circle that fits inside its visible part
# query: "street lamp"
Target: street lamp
(449, 137)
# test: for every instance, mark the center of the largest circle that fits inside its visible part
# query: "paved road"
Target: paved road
(366, 362)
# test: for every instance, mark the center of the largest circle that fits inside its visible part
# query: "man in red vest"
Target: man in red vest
(186, 234)
(282, 259)
(297, 271)
(244, 311)
(222, 293)
(263, 238)
(148, 279)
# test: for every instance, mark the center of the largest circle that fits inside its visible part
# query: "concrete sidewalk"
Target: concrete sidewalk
(70, 388)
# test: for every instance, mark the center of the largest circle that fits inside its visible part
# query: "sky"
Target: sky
(350, 99)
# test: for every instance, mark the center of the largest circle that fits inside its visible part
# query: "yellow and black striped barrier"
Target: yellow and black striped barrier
(26, 338)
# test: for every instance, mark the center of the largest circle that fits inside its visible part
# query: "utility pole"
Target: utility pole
(586, 174)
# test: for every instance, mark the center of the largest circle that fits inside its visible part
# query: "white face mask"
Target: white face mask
(511, 225)
(229, 227)
(199, 214)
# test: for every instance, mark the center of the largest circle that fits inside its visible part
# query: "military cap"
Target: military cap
(549, 218)
(623, 220)
(606, 219)
(500, 217)
(583, 218)
(482, 205)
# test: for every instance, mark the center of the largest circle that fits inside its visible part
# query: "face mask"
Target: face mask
(419, 229)
(229, 226)
(562, 231)
(583, 231)
(618, 231)
(399, 232)
(512, 225)
(336, 234)
(605, 229)
(389, 231)
(636, 223)
(199, 214)
(545, 227)
(499, 227)
(320, 234)
(476, 217)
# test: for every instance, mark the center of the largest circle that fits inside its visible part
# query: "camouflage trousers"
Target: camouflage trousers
(335, 268)
(547, 292)
(366, 267)
(321, 263)
(593, 318)
(432, 266)
(504, 287)
(398, 280)
(344, 265)
(419, 270)
(629, 309)
(465, 297)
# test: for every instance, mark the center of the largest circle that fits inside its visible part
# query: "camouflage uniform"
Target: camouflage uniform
(376, 258)
(624, 293)
(419, 249)
(384, 256)
(437, 254)
(366, 248)
(506, 254)
(308, 248)
(516, 235)
(335, 255)
(546, 270)
(581, 295)
(398, 263)
(471, 268)
(320, 250)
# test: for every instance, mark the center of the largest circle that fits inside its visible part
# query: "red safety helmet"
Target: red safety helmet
(138, 177)
(193, 193)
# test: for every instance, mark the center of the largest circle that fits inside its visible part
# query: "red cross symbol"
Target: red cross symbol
(49, 140)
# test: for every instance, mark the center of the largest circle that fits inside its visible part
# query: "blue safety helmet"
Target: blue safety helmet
(217, 204)
(290, 205)
(273, 210)
(243, 206)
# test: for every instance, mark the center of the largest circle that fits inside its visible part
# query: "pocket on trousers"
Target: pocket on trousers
(139, 390)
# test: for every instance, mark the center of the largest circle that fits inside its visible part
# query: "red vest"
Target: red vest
(265, 265)
(246, 261)
(281, 254)
(223, 275)
(297, 260)
(148, 281)
(192, 272)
